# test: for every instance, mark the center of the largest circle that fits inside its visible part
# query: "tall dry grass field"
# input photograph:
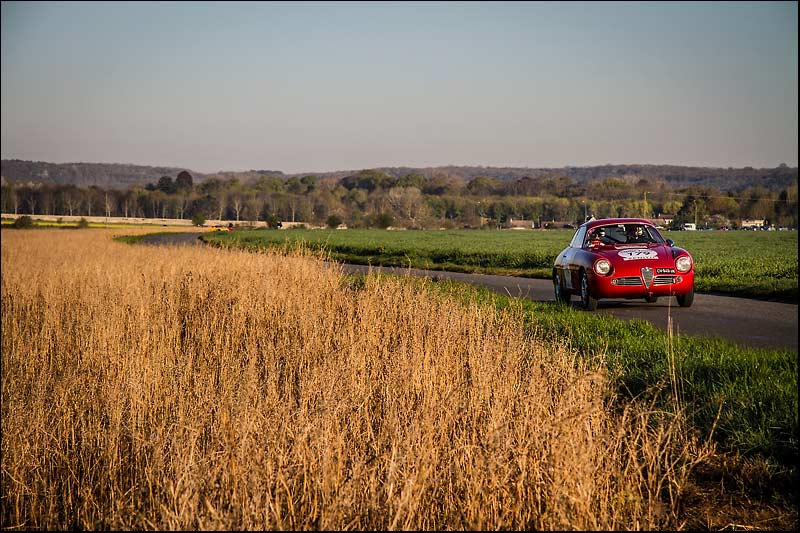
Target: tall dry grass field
(185, 387)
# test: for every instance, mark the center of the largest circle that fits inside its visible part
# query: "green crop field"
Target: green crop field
(742, 263)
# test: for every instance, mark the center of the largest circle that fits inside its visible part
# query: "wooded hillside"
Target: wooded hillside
(121, 176)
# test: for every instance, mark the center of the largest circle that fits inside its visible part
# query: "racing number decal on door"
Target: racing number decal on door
(632, 255)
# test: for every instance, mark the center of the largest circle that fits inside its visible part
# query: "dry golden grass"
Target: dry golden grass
(195, 388)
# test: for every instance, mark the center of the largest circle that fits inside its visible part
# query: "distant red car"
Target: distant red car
(622, 258)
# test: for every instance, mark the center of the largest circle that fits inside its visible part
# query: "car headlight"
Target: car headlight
(683, 264)
(602, 267)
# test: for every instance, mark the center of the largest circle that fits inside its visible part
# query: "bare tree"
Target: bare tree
(89, 200)
(181, 203)
(31, 200)
(48, 200)
(108, 203)
(71, 200)
(237, 202)
(165, 204)
(253, 206)
(127, 201)
(10, 198)
(222, 202)
(407, 201)
(154, 199)
(291, 203)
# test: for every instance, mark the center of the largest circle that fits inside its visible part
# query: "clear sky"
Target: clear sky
(312, 87)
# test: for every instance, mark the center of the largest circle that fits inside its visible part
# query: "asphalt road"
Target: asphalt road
(753, 323)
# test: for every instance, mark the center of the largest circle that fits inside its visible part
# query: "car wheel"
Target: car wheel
(651, 299)
(686, 300)
(562, 296)
(588, 302)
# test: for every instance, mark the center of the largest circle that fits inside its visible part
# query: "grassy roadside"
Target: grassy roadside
(744, 400)
(187, 387)
(746, 264)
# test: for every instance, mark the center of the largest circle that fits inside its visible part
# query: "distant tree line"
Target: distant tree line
(374, 198)
(107, 175)
(121, 176)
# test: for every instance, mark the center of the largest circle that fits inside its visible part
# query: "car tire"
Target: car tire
(686, 300)
(588, 302)
(562, 296)
(651, 299)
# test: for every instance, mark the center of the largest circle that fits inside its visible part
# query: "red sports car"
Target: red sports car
(622, 258)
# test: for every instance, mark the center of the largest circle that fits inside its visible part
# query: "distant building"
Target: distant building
(519, 223)
(753, 223)
(300, 225)
(662, 221)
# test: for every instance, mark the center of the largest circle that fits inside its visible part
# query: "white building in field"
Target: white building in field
(755, 223)
(662, 221)
(520, 223)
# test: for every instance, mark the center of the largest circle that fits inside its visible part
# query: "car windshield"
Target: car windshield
(623, 234)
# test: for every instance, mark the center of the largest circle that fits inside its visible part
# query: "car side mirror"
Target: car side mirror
(670, 242)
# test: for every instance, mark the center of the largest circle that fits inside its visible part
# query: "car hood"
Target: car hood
(638, 255)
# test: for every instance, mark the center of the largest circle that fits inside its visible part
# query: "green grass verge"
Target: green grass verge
(133, 239)
(737, 263)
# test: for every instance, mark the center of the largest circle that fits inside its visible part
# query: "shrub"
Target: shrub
(383, 220)
(23, 222)
(334, 221)
(273, 222)
(198, 219)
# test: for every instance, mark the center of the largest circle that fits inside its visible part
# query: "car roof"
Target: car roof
(611, 221)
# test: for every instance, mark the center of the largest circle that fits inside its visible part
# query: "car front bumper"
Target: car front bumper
(641, 285)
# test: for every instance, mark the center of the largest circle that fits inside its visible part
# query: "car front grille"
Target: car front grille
(664, 280)
(636, 281)
(630, 281)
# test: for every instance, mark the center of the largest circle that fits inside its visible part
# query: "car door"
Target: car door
(569, 269)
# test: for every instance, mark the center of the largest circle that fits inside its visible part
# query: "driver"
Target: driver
(597, 237)
(636, 234)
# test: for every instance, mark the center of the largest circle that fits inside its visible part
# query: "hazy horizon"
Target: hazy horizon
(324, 87)
(356, 169)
